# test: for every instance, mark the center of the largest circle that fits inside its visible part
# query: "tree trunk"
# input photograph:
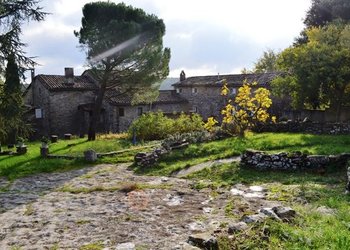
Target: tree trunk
(96, 111)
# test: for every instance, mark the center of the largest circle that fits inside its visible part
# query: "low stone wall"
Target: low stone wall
(148, 159)
(292, 161)
(305, 127)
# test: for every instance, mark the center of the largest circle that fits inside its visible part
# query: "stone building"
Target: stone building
(62, 103)
(203, 93)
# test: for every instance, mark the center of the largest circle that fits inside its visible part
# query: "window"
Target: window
(38, 113)
(178, 91)
(121, 112)
(233, 91)
(194, 90)
(194, 109)
(139, 111)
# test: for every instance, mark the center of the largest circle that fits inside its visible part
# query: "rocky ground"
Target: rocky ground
(109, 205)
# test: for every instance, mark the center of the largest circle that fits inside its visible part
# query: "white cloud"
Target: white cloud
(205, 37)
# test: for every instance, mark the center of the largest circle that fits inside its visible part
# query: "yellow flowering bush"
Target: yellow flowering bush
(210, 124)
(247, 109)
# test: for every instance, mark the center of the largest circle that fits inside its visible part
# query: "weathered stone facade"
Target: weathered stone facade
(203, 93)
(65, 102)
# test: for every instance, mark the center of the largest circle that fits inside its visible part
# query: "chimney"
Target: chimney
(32, 74)
(69, 74)
(182, 76)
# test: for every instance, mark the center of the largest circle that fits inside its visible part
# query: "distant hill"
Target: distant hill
(166, 84)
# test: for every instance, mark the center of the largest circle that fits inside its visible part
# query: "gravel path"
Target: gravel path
(101, 205)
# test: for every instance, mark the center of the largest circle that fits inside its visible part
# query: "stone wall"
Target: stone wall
(122, 123)
(170, 108)
(292, 161)
(306, 127)
(327, 115)
(37, 96)
(207, 100)
(64, 113)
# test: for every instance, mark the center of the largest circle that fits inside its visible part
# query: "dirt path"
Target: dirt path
(96, 205)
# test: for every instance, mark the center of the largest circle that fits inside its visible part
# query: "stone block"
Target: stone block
(204, 241)
(237, 227)
(21, 150)
(284, 213)
(90, 155)
(53, 138)
(67, 136)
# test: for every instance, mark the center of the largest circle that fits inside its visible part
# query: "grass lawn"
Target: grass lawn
(197, 153)
(13, 166)
(302, 191)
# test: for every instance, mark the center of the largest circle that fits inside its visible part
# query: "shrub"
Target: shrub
(247, 109)
(186, 123)
(151, 126)
(192, 137)
(156, 126)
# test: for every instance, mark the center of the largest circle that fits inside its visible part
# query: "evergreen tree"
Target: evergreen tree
(11, 110)
(125, 50)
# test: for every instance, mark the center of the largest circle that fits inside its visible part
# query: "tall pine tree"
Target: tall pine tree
(11, 109)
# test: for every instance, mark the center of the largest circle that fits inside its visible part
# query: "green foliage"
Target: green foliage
(151, 126)
(156, 126)
(186, 123)
(267, 62)
(322, 12)
(14, 167)
(12, 14)
(190, 137)
(319, 70)
(271, 142)
(138, 67)
(12, 109)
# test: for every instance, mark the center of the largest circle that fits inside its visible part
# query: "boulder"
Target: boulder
(204, 241)
(284, 213)
(90, 155)
(255, 218)
(270, 213)
(237, 227)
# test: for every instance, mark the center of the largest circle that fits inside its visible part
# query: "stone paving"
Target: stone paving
(111, 206)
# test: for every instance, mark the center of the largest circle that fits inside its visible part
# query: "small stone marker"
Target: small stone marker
(67, 136)
(21, 150)
(54, 138)
(90, 155)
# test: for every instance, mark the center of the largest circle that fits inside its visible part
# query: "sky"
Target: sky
(205, 37)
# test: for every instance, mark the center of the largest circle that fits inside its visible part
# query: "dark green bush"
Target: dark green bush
(156, 126)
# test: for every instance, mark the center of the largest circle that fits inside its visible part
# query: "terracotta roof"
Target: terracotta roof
(262, 79)
(57, 82)
(165, 96)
